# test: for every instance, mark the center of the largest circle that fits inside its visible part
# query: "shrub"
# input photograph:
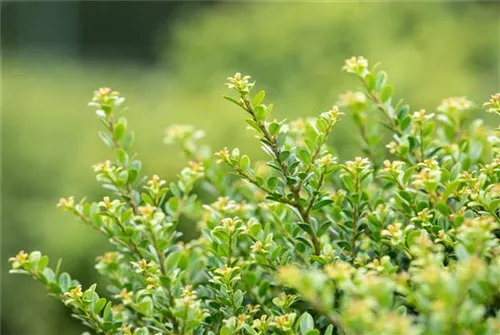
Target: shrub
(300, 244)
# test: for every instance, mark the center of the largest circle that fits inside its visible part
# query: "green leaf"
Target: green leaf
(119, 131)
(128, 140)
(322, 203)
(386, 93)
(172, 205)
(313, 332)
(43, 262)
(443, 208)
(428, 128)
(405, 123)
(258, 98)
(475, 149)
(272, 182)
(329, 330)
(121, 156)
(305, 156)
(254, 125)
(306, 323)
(284, 155)
(136, 165)
(324, 227)
(260, 113)
(146, 306)
(58, 267)
(107, 315)
(49, 274)
(34, 258)
(370, 81)
(274, 129)
(381, 80)
(321, 125)
(450, 188)
(494, 205)
(403, 112)
(305, 227)
(147, 199)
(263, 287)
(232, 100)
(99, 305)
(225, 331)
(245, 163)
(454, 171)
(249, 329)
(348, 183)
(107, 139)
(172, 260)
(250, 278)
(64, 281)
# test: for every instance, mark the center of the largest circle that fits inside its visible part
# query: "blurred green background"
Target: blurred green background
(170, 59)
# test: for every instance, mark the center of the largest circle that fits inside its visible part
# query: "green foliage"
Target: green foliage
(301, 243)
(48, 140)
(287, 45)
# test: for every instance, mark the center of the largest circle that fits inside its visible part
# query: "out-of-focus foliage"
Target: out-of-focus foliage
(291, 47)
(432, 50)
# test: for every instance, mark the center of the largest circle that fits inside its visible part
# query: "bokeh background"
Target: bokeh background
(170, 59)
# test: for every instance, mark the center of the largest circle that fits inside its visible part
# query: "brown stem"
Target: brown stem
(295, 191)
(128, 188)
(114, 238)
(132, 244)
(313, 199)
(355, 219)
(315, 154)
(422, 151)
(161, 255)
(380, 106)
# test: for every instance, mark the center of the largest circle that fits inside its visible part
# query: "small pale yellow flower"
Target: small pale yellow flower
(359, 163)
(258, 247)
(156, 182)
(107, 258)
(102, 167)
(421, 116)
(238, 81)
(326, 160)
(19, 260)
(196, 166)
(355, 65)
(454, 104)
(125, 296)
(66, 203)
(106, 203)
(102, 92)
(393, 147)
(332, 114)
(242, 318)
(74, 293)
(146, 210)
(229, 223)
(349, 99)
(394, 166)
(126, 329)
(223, 155)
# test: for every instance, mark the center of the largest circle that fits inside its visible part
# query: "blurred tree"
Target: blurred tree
(295, 49)
(90, 29)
